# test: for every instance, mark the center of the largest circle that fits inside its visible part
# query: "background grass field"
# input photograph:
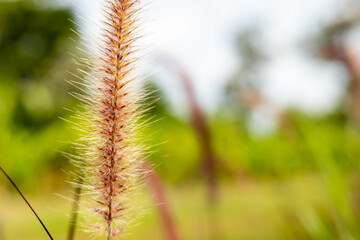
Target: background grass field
(282, 172)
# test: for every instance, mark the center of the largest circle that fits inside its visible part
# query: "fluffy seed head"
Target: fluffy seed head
(111, 155)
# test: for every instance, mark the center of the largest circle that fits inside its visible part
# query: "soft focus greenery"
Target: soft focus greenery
(299, 182)
(34, 46)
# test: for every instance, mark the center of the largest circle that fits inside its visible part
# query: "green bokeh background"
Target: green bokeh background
(300, 182)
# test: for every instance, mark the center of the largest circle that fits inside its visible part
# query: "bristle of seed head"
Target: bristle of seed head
(111, 154)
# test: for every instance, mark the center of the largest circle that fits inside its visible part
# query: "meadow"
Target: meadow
(221, 177)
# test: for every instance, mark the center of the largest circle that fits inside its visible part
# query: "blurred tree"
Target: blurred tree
(34, 46)
(332, 44)
(32, 54)
(29, 43)
(243, 88)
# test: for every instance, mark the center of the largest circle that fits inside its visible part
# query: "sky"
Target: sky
(201, 36)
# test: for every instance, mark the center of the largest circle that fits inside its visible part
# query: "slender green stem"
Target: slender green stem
(74, 212)
(109, 237)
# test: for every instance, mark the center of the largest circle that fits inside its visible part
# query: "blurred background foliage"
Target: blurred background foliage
(306, 171)
(33, 89)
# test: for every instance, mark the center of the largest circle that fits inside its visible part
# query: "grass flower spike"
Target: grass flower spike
(110, 163)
